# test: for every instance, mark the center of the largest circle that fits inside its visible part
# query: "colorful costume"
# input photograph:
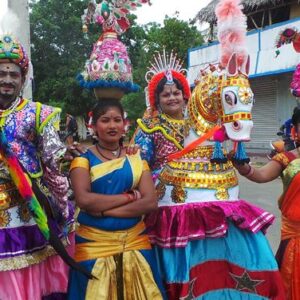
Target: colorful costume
(27, 263)
(31, 152)
(115, 250)
(210, 243)
(288, 254)
(160, 135)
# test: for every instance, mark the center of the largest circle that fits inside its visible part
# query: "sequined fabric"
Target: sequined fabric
(31, 132)
(28, 139)
(158, 137)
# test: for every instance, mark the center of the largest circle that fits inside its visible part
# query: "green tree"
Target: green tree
(59, 50)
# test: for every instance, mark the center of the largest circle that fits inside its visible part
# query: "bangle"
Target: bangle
(250, 172)
(246, 173)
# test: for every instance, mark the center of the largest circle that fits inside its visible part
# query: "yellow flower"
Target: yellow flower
(245, 95)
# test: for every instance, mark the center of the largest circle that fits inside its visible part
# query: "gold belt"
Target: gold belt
(108, 243)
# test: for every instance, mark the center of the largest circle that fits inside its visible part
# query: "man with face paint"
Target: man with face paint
(29, 267)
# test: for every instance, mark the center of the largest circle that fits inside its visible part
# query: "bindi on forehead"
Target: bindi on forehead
(10, 67)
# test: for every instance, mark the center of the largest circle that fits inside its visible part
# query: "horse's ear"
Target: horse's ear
(245, 68)
(232, 66)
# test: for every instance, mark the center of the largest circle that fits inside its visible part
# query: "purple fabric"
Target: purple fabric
(23, 240)
(175, 226)
(20, 240)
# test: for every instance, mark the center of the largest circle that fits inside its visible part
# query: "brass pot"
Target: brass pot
(109, 93)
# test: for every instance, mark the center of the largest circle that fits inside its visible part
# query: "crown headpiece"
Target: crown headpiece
(169, 67)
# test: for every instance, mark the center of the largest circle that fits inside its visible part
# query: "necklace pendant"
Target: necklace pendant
(114, 153)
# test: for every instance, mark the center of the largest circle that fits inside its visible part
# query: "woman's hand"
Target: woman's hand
(266, 173)
(135, 194)
(132, 149)
(74, 150)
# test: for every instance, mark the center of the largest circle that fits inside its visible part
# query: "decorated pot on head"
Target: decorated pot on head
(108, 71)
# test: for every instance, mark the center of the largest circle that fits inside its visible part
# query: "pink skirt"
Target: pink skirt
(36, 281)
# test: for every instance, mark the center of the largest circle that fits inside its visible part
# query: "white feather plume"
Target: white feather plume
(10, 23)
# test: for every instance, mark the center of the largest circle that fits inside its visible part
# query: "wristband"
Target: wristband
(248, 171)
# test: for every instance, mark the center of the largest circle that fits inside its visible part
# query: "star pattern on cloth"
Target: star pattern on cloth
(245, 282)
(190, 295)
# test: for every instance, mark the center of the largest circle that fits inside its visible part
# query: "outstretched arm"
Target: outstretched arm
(267, 173)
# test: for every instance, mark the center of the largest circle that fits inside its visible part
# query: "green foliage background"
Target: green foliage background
(59, 51)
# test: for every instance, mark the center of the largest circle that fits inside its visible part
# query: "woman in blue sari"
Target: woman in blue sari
(113, 191)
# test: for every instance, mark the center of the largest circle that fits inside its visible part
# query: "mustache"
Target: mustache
(10, 85)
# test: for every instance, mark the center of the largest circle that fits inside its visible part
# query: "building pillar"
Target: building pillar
(21, 9)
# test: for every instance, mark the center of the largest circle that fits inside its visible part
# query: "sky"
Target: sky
(160, 8)
(157, 11)
(3, 7)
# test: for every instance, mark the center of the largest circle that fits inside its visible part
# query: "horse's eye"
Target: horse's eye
(230, 98)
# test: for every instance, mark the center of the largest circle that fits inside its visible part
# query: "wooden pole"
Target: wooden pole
(270, 17)
(263, 20)
(253, 21)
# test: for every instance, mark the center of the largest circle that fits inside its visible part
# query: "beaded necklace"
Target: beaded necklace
(108, 158)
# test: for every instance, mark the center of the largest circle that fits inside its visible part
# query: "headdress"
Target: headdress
(109, 66)
(169, 67)
(12, 51)
(291, 36)
(232, 33)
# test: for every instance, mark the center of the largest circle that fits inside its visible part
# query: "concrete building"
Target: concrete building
(270, 75)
